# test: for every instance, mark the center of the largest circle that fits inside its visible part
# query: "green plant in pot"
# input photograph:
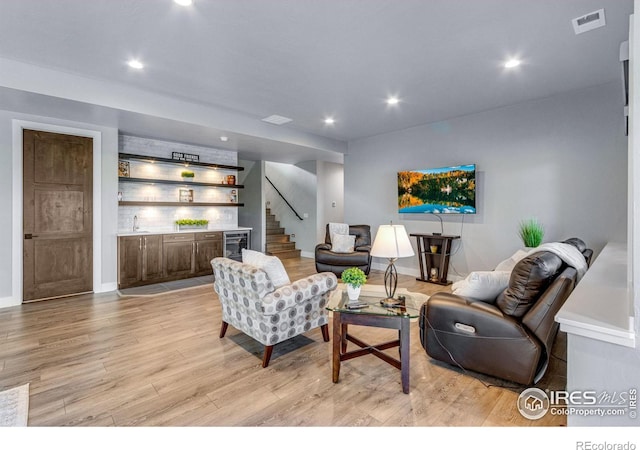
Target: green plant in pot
(531, 232)
(187, 175)
(354, 278)
(192, 223)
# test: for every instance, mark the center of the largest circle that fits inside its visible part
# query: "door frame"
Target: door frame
(17, 248)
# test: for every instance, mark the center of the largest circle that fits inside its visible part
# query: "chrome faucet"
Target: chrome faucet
(135, 223)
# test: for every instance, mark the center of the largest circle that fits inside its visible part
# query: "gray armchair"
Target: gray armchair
(252, 304)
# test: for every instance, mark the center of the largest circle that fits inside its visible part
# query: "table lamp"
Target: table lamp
(391, 242)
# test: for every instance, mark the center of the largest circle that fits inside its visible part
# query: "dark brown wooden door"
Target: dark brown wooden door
(57, 215)
(205, 252)
(129, 260)
(178, 259)
(152, 268)
(208, 246)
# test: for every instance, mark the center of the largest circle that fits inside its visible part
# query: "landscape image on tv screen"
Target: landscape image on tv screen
(446, 190)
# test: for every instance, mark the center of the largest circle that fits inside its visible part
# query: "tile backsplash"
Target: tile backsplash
(156, 218)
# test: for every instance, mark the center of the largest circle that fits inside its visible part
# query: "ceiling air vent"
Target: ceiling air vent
(589, 21)
(277, 120)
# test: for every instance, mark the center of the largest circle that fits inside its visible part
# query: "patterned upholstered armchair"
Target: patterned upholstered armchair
(252, 304)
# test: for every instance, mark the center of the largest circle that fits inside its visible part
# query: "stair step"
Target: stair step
(277, 238)
(278, 243)
(276, 247)
(285, 254)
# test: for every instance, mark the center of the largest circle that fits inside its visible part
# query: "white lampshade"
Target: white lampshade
(392, 241)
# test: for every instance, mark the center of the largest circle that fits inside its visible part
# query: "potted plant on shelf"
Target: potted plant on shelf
(531, 232)
(354, 278)
(187, 175)
(192, 224)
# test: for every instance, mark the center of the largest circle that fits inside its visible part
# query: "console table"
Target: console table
(434, 251)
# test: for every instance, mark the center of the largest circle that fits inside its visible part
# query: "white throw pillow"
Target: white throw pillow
(343, 243)
(509, 263)
(270, 264)
(484, 285)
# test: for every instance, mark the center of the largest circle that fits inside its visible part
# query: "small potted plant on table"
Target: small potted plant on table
(354, 278)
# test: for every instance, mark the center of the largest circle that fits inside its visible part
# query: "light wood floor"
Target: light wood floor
(105, 360)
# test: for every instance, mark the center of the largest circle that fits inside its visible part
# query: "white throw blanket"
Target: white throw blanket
(566, 252)
(338, 228)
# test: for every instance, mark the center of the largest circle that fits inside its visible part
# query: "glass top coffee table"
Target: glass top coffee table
(373, 314)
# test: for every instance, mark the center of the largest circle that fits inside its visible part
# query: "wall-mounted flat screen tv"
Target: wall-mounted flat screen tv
(445, 190)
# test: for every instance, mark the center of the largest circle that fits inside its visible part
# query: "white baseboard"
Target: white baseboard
(7, 302)
(107, 287)
(307, 254)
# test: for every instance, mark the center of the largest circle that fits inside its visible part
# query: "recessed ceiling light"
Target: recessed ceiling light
(135, 64)
(224, 138)
(184, 2)
(393, 100)
(510, 64)
(329, 121)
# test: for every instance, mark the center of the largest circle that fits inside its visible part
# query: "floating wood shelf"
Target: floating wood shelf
(183, 183)
(177, 162)
(152, 203)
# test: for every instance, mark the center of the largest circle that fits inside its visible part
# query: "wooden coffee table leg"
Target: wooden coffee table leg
(343, 330)
(337, 344)
(404, 354)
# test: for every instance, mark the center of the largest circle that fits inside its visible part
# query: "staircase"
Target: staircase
(278, 243)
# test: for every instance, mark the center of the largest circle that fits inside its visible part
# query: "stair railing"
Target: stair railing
(285, 200)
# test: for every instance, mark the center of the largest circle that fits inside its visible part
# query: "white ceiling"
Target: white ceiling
(306, 59)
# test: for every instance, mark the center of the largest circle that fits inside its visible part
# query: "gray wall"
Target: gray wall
(252, 214)
(330, 196)
(561, 159)
(298, 184)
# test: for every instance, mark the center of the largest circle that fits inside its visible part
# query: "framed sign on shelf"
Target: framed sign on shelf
(186, 195)
(187, 157)
(123, 169)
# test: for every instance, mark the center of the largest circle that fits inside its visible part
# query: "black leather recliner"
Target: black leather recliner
(512, 337)
(330, 261)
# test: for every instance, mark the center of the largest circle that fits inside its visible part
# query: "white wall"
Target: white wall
(162, 219)
(298, 184)
(561, 159)
(330, 196)
(252, 214)
(105, 276)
